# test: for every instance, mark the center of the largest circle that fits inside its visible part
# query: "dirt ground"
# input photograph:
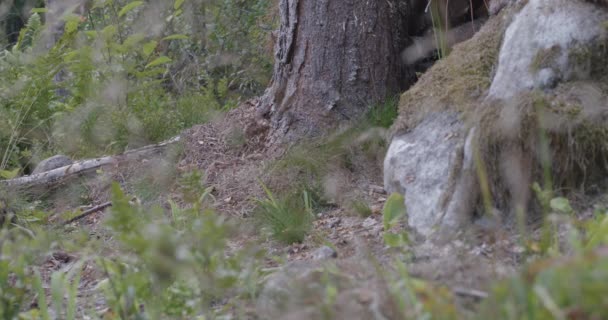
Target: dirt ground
(234, 166)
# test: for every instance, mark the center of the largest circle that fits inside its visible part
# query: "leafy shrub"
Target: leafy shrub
(418, 299)
(160, 264)
(116, 78)
(597, 231)
(20, 251)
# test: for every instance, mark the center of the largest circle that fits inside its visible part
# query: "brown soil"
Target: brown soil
(235, 170)
(232, 154)
(473, 263)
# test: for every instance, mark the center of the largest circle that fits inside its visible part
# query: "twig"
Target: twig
(471, 293)
(89, 212)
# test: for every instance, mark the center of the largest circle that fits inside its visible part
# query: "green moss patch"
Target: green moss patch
(456, 82)
(562, 135)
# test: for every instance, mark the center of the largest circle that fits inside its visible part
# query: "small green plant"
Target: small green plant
(557, 288)
(361, 208)
(394, 210)
(384, 114)
(418, 299)
(164, 264)
(440, 28)
(179, 265)
(597, 231)
(21, 250)
(310, 162)
(561, 205)
(288, 219)
(63, 285)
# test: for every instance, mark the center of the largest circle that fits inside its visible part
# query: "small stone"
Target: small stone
(374, 231)
(489, 223)
(324, 253)
(51, 163)
(377, 189)
(334, 222)
(477, 251)
(369, 222)
(376, 209)
(365, 296)
(518, 249)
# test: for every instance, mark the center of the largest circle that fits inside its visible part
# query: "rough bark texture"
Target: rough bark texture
(333, 59)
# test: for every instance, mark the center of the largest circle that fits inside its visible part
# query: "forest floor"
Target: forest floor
(467, 266)
(234, 154)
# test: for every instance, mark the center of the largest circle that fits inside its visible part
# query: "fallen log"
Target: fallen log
(79, 168)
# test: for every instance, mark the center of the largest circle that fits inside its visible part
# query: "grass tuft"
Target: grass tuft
(289, 219)
(361, 208)
(384, 114)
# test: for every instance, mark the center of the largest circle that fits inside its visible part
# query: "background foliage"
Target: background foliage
(116, 74)
(121, 74)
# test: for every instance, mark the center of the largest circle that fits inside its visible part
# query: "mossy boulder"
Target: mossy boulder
(530, 95)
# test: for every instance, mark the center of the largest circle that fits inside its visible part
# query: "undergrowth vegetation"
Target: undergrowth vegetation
(175, 263)
(288, 218)
(109, 80)
(121, 73)
(307, 171)
(164, 264)
(309, 162)
(569, 284)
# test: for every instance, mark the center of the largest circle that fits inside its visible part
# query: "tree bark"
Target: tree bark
(333, 60)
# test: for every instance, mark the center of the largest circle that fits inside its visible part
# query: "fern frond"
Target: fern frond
(30, 33)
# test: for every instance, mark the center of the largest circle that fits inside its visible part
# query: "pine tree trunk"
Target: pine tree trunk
(333, 59)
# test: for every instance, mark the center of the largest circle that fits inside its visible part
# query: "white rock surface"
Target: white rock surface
(558, 25)
(324, 253)
(432, 163)
(418, 165)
